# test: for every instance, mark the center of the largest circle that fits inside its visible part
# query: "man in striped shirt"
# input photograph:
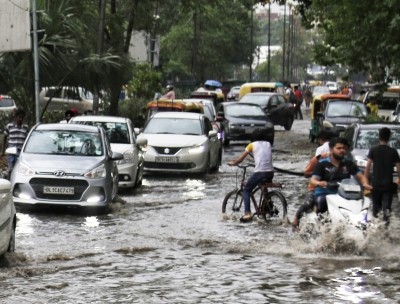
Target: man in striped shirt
(15, 134)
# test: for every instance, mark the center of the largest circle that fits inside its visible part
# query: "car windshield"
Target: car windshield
(173, 126)
(117, 132)
(64, 142)
(370, 138)
(348, 109)
(261, 100)
(239, 110)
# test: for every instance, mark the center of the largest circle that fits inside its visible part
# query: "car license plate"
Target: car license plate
(163, 159)
(58, 190)
(248, 131)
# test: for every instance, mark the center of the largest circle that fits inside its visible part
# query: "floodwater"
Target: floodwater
(168, 242)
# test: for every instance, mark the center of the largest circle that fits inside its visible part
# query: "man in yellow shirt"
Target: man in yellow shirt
(373, 107)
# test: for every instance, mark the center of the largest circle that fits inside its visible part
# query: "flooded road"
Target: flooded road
(167, 242)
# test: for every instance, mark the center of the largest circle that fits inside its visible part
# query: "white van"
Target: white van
(65, 98)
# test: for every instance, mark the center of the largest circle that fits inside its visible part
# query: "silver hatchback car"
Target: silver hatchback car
(65, 165)
(122, 138)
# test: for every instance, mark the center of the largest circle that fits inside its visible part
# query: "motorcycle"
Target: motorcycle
(348, 209)
(349, 206)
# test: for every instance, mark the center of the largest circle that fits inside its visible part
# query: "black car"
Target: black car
(239, 119)
(278, 109)
(339, 114)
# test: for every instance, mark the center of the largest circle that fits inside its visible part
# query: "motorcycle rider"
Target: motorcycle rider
(333, 169)
(170, 94)
(322, 151)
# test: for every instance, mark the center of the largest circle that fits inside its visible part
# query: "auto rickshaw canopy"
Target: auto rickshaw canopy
(250, 87)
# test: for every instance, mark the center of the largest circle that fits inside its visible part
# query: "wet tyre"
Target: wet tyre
(11, 244)
(232, 204)
(274, 207)
(289, 123)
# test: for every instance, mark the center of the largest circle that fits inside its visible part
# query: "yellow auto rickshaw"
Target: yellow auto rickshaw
(250, 87)
(317, 109)
(176, 105)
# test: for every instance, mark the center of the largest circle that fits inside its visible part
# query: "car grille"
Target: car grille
(79, 187)
(167, 150)
(175, 166)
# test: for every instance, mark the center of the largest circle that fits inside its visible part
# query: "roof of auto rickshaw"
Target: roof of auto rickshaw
(207, 93)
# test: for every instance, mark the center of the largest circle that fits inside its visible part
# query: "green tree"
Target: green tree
(362, 36)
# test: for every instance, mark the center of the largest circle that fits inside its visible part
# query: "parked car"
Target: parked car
(233, 93)
(239, 119)
(181, 142)
(363, 136)
(8, 219)
(7, 104)
(122, 138)
(66, 165)
(339, 114)
(277, 108)
(387, 102)
(65, 98)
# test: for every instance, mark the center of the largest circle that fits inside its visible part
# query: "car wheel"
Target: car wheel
(218, 162)
(289, 123)
(11, 244)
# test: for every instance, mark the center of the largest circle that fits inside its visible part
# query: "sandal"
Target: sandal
(246, 218)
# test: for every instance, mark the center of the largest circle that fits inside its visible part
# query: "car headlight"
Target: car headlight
(360, 161)
(24, 170)
(128, 158)
(197, 149)
(98, 172)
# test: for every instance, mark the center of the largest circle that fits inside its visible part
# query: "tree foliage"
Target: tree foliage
(361, 35)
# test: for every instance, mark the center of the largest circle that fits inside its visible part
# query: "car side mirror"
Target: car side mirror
(212, 133)
(141, 142)
(116, 156)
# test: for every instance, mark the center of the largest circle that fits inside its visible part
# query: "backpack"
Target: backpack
(292, 97)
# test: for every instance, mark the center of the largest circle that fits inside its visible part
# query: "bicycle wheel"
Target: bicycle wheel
(232, 204)
(274, 206)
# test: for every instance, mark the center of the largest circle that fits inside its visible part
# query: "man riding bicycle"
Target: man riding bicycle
(261, 150)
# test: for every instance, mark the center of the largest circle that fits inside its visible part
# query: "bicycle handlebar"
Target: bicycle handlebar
(244, 166)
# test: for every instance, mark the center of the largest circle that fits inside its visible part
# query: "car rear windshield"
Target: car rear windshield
(117, 132)
(370, 138)
(64, 142)
(6, 102)
(239, 110)
(344, 108)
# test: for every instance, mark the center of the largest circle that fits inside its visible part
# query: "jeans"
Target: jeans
(255, 179)
(382, 201)
(11, 160)
(322, 205)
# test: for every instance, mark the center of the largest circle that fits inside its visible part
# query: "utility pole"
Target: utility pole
(284, 45)
(35, 59)
(251, 44)
(269, 41)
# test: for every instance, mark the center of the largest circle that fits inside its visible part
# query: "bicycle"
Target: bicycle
(268, 204)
